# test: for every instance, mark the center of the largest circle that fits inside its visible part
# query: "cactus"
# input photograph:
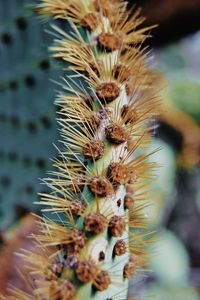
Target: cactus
(27, 114)
(93, 236)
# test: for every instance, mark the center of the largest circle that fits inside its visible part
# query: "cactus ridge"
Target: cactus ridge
(95, 233)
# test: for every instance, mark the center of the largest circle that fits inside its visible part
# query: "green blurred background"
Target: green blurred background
(28, 130)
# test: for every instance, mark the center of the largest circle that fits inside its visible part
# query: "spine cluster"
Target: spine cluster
(95, 236)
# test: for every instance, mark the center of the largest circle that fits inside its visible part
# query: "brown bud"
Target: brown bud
(95, 222)
(90, 21)
(77, 207)
(119, 173)
(62, 289)
(97, 116)
(77, 241)
(128, 201)
(86, 271)
(108, 91)
(94, 150)
(101, 186)
(117, 226)
(102, 281)
(116, 133)
(119, 248)
(129, 269)
(122, 73)
(109, 41)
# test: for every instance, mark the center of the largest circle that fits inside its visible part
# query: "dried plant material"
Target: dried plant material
(54, 271)
(119, 173)
(116, 133)
(76, 242)
(120, 248)
(109, 41)
(108, 91)
(94, 150)
(101, 186)
(95, 222)
(102, 281)
(86, 271)
(128, 201)
(129, 269)
(62, 289)
(117, 226)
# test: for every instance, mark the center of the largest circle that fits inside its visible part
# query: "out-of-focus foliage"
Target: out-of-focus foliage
(27, 113)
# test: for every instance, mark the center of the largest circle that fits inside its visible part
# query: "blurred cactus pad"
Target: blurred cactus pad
(27, 114)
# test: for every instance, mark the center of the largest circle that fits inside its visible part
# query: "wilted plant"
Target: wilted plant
(97, 237)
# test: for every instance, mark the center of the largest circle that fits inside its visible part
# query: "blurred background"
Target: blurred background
(28, 130)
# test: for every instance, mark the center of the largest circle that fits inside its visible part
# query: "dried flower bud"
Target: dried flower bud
(119, 173)
(128, 201)
(77, 241)
(129, 269)
(102, 281)
(117, 226)
(116, 133)
(95, 222)
(90, 21)
(86, 271)
(119, 248)
(94, 150)
(101, 186)
(109, 41)
(108, 91)
(62, 289)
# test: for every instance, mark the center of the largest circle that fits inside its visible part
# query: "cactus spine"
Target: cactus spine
(96, 238)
